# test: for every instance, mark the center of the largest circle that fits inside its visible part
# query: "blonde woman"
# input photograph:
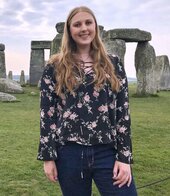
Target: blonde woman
(85, 122)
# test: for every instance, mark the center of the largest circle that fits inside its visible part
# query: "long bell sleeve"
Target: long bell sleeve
(48, 116)
(123, 121)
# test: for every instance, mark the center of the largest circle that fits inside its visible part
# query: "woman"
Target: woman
(85, 121)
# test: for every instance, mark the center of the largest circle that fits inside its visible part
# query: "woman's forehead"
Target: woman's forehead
(81, 16)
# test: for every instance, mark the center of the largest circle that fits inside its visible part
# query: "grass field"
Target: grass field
(22, 175)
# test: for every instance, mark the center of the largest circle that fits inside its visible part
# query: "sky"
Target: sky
(24, 21)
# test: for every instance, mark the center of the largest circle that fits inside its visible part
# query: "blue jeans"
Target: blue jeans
(78, 165)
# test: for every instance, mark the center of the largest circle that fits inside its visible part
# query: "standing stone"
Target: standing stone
(145, 60)
(101, 31)
(2, 61)
(10, 75)
(56, 42)
(37, 60)
(22, 78)
(163, 62)
(116, 47)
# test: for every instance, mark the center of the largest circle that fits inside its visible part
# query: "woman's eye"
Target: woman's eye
(77, 25)
(88, 22)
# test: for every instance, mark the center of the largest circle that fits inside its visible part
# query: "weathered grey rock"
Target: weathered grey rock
(37, 61)
(2, 61)
(40, 44)
(164, 78)
(116, 47)
(101, 31)
(129, 35)
(158, 71)
(145, 60)
(55, 44)
(2, 47)
(10, 86)
(36, 65)
(5, 97)
(22, 78)
(60, 27)
(10, 75)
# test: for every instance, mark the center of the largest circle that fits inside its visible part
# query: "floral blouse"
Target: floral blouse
(89, 117)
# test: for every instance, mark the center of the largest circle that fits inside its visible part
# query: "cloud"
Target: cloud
(24, 21)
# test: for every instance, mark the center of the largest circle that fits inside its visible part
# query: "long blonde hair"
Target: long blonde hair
(64, 60)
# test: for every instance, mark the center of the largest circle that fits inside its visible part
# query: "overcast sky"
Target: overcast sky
(24, 21)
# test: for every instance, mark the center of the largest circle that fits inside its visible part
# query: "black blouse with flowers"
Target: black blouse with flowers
(89, 117)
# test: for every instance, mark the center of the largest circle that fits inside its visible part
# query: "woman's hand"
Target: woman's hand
(50, 170)
(122, 174)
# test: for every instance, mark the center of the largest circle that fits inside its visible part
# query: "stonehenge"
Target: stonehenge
(152, 72)
(37, 61)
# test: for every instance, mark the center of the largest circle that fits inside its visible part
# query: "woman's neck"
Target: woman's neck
(83, 51)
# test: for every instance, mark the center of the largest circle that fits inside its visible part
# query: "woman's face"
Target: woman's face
(83, 29)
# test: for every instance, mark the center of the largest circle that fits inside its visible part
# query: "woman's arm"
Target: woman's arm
(47, 146)
(123, 121)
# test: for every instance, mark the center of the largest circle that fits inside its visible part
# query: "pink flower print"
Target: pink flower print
(44, 140)
(79, 105)
(42, 124)
(53, 127)
(127, 117)
(110, 92)
(66, 114)
(127, 153)
(126, 104)
(94, 124)
(63, 101)
(59, 108)
(95, 94)
(47, 81)
(51, 88)
(73, 116)
(42, 113)
(51, 112)
(73, 139)
(103, 108)
(89, 126)
(122, 129)
(86, 98)
(58, 131)
(124, 80)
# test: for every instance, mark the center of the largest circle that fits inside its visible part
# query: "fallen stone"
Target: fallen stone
(5, 97)
(10, 86)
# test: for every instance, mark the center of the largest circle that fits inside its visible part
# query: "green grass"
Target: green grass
(22, 175)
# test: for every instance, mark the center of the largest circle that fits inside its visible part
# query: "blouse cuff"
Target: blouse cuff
(47, 154)
(124, 157)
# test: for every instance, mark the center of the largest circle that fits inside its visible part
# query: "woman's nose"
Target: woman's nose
(84, 27)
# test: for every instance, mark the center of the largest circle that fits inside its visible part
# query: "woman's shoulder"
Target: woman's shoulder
(51, 63)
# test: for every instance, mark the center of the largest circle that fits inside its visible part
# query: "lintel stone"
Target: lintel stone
(40, 44)
(129, 35)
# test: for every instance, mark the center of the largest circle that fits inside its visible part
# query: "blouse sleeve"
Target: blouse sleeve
(123, 121)
(47, 145)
